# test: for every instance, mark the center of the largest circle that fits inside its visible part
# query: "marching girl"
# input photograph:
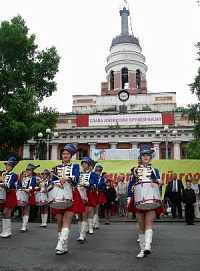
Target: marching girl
(9, 183)
(41, 186)
(27, 184)
(70, 173)
(88, 182)
(145, 218)
(101, 195)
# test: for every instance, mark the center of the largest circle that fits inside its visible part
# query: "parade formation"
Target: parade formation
(69, 191)
(126, 122)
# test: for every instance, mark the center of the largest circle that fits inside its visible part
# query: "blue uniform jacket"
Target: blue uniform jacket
(133, 180)
(101, 183)
(75, 174)
(27, 185)
(10, 180)
(93, 179)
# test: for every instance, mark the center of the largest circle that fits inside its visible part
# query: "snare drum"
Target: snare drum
(2, 195)
(83, 193)
(41, 198)
(147, 195)
(60, 198)
(22, 198)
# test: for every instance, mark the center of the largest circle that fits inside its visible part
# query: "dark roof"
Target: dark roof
(125, 39)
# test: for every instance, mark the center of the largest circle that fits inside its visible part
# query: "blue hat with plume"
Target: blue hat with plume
(146, 149)
(86, 159)
(11, 161)
(99, 168)
(70, 147)
(45, 171)
(92, 162)
(31, 167)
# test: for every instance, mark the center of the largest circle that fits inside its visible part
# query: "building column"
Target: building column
(156, 146)
(92, 149)
(177, 155)
(113, 145)
(26, 151)
(134, 145)
(54, 151)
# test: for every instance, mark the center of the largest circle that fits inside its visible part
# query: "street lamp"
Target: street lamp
(166, 130)
(48, 132)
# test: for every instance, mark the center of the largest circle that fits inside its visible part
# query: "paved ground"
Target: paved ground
(112, 247)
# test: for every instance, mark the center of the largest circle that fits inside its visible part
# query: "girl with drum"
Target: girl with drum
(100, 193)
(145, 181)
(25, 194)
(41, 195)
(8, 187)
(67, 173)
(88, 182)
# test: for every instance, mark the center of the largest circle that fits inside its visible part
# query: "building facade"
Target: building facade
(105, 127)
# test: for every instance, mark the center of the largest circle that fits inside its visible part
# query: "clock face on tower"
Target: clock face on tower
(123, 95)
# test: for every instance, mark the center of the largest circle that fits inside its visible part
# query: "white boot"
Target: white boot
(96, 221)
(148, 241)
(25, 223)
(3, 227)
(44, 220)
(90, 225)
(59, 235)
(87, 227)
(61, 247)
(142, 245)
(7, 232)
(79, 229)
(81, 238)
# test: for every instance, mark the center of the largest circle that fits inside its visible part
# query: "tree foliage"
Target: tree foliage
(195, 86)
(26, 78)
(193, 111)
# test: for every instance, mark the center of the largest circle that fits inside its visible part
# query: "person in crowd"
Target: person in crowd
(100, 195)
(189, 200)
(145, 216)
(130, 180)
(88, 182)
(8, 184)
(174, 191)
(122, 193)
(66, 173)
(195, 186)
(115, 204)
(27, 185)
(110, 195)
(104, 175)
(41, 187)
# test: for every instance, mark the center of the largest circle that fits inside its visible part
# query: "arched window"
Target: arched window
(124, 77)
(138, 79)
(111, 80)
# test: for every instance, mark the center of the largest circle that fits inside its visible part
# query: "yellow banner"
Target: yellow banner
(185, 169)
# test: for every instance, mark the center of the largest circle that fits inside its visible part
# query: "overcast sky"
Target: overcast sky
(82, 32)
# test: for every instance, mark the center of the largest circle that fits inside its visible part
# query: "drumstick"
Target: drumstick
(57, 175)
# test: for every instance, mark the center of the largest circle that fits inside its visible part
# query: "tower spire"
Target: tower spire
(124, 13)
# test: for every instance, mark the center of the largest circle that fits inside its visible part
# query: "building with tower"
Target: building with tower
(114, 124)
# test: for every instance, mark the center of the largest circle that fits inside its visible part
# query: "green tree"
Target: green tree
(26, 79)
(195, 87)
(193, 111)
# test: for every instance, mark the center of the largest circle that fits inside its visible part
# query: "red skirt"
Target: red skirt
(32, 198)
(131, 208)
(92, 198)
(11, 199)
(77, 207)
(101, 197)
